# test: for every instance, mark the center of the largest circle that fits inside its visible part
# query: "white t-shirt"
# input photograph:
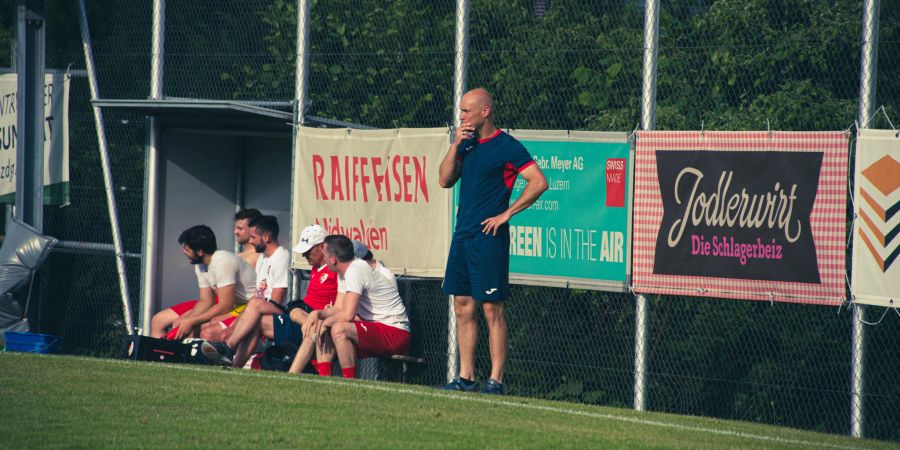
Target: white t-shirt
(272, 272)
(379, 297)
(226, 268)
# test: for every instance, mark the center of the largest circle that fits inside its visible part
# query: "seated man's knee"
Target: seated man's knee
(340, 331)
(255, 303)
(298, 316)
(209, 333)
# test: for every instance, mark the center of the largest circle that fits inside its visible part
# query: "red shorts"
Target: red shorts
(378, 339)
(184, 307)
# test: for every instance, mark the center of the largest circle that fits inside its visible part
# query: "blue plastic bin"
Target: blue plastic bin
(32, 342)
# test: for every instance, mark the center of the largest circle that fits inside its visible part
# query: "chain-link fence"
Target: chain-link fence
(552, 64)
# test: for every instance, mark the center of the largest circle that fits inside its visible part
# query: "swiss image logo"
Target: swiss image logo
(879, 188)
(615, 182)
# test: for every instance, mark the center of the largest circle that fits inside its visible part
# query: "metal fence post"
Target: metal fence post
(460, 71)
(107, 171)
(867, 79)
(151, 170)
(641, 319)
(30, 42)
(301, 81)
(648, 122)
(651, 54)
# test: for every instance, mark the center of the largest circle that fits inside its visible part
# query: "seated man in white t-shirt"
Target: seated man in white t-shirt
(365, 289)
(272, 277)
(225, 280)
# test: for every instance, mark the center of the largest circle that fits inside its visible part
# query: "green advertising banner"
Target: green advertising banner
(578, 233)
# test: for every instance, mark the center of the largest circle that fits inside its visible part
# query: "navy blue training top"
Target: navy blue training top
(489, 170)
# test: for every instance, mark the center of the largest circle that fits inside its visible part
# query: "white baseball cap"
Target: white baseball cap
(312, 235)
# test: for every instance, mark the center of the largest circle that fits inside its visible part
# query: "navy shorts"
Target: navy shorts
(286, 330)
(478, 266)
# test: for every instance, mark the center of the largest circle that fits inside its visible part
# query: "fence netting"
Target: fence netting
(552, 64)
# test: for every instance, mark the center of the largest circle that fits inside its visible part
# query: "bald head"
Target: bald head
(481, 97)
(477, 109)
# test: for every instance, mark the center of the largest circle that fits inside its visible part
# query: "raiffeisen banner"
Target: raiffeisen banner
(56, 139)
(379, 187)
(577, 233)
(747, 215)
(876, 244)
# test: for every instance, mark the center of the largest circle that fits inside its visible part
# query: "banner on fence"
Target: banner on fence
(746, 215)
(56, 139)
(379, 187)
(876, 199)
(577, 233)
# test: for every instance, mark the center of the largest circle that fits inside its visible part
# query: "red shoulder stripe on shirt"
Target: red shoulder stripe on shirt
(525, 166)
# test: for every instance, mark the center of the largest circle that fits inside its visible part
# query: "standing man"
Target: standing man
(226, 283)
(487, 161)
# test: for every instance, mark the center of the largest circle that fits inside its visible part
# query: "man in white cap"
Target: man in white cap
(368, 318)
(283, 323)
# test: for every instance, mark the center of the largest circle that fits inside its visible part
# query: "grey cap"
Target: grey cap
(360, 249)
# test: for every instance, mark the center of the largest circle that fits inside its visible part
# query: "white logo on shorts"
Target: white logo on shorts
(490, 291)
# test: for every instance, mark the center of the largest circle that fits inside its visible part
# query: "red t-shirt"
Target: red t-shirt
(322, 288)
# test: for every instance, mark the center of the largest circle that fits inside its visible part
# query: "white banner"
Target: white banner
(379, 187)
(876, 201)
(56, 139)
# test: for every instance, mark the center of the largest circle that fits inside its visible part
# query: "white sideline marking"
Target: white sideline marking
(382, 386)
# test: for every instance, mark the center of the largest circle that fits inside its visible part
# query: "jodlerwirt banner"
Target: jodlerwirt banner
(876, 272)
(379, 187)
(745, 215)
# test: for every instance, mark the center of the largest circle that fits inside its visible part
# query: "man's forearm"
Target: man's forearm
(216, 310)
(530, 194)
(449, 170)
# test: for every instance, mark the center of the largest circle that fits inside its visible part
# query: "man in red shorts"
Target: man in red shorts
(369, 291)
(225, 280)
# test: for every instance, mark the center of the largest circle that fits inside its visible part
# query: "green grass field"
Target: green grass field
(72, 402)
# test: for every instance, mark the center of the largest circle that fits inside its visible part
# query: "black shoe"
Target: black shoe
(492, 387)
(459, 385)
(224, 350)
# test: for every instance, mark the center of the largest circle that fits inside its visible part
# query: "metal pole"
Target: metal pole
(107, 171)
(641, 323)
(857, 372)
(868, 61)
(461, 59)
(239, 188)
(867, 80)
(460, 72)
(301, 82)
(30, 119)
(151, 171)
(302, 64)
(648, 122)
(651, 54)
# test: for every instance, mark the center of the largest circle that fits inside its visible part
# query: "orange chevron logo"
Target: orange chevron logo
(880, 191)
